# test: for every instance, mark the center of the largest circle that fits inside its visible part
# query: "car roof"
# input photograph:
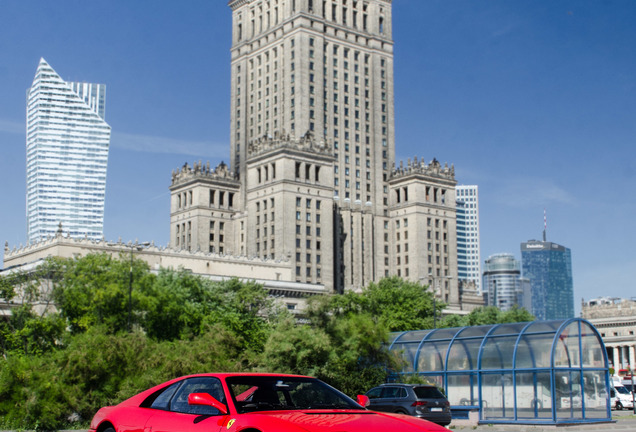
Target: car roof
(139, 397)
(407, 385)
(242, 374)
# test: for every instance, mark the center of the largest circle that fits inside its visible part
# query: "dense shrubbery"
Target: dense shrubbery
(58, 368)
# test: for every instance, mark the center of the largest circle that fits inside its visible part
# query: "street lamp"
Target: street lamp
(431, 278)
(137, 246)
(422, 279)
(133, 247)
(435, 280)
(631, 372)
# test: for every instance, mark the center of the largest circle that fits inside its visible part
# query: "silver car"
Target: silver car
(419, 400)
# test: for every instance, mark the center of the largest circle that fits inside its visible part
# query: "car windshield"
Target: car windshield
(622, 390)
(266, 393)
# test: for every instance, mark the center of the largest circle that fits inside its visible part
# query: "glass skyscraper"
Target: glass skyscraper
(503, 283)
(468, 256)
(67, 142)
(548, 267)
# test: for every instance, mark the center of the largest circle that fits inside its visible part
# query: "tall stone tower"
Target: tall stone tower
(313, 155)
(323, 67)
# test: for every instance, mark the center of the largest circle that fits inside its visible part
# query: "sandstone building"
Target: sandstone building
(313, 202)
(313, 176)
(615, 319)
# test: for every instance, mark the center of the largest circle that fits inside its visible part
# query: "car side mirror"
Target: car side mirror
(206, 399)
(363, 400)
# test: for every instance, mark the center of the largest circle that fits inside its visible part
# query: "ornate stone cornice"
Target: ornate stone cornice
(198, 171)
(433, 169)
(235, 4)
(119, 246)
(306, 143)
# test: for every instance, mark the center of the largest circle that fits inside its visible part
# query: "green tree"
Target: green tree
(516, 314)
(181, 305)
(32, 328)
(488, 315)
(94, 290)
(346, 352)
(344, 343)
(396, 304)
(295, 348)
(98, 368)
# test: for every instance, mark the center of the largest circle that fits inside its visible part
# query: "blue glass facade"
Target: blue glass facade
(548, 267)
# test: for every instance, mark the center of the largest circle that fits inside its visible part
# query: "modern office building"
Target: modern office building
(548, 267)
(313, 176)
(468, 255)
(502, 281)
(67, 153)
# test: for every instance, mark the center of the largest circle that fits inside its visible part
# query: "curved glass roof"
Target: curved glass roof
(541, 371)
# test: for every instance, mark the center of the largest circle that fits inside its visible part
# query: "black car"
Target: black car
(419, 400)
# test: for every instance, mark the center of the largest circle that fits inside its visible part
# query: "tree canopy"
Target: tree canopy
(59, 365)
(488, 315)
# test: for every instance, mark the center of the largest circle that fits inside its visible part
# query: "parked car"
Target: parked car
(249, 402)
(621, 397)
(419, 400)
(629, 387)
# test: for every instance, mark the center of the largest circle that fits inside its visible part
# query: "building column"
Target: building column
(632, 356)
(621, 353)
(616, 359)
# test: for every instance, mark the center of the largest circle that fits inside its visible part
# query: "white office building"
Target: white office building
(468, 256)
(67, 142)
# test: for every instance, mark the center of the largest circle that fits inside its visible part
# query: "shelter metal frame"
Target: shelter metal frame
(574, 382)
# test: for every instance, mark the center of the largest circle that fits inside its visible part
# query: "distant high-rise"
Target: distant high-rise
(503, 283)
(468, 256)
(67, 153)
(548, 267)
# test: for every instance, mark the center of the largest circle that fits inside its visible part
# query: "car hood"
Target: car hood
(351, 421)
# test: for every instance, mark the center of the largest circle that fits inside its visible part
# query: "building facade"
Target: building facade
(468, 251)
(67, 154)
(548, 267)
(615, 319)
(313, 177)
(276, 276)
(503, 283)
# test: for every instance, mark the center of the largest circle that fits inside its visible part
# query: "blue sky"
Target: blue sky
(534, 101)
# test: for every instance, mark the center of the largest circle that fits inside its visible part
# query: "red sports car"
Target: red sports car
(249, 403)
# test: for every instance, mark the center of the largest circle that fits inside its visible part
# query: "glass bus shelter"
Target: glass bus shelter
(534, 372)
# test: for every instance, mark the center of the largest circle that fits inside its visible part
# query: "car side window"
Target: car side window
(163, 400)
(374, 393)
(390, 392)
(401, 392)
(210, 385)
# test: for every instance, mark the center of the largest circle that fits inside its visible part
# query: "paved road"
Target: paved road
(620, 423)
